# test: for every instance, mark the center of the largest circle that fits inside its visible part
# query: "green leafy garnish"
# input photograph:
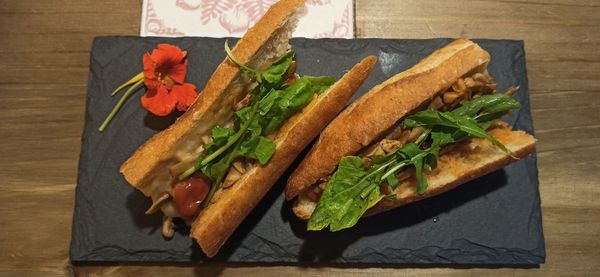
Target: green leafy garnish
(257, 148)
(355, 187)
(345, 203)
(272, 76)
(279, 105)
(273, 102)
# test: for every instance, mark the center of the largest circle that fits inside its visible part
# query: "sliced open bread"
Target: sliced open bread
(383, 106)
(466, 161)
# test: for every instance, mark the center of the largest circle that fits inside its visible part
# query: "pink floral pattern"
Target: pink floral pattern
(187, 6)
(156, 26)
(233, 17)
(212, 9)
(256, 8)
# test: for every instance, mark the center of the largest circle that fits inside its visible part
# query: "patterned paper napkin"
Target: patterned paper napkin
(231, 18)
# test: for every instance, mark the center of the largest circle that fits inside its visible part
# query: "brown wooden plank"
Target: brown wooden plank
(37, 238)
(110, 7)
(43, 75)
(52, 23)
(21, 45)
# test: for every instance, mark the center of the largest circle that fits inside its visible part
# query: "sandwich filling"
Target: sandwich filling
(464, 110)
(232, 149)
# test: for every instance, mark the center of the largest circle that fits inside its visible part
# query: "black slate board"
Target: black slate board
(495, 220)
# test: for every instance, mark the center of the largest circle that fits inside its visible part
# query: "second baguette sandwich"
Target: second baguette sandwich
(418, 134)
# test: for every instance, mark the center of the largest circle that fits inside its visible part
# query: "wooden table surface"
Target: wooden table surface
(44, 53)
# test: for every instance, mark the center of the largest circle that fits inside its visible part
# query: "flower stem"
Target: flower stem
(135, 79)
(117, 107)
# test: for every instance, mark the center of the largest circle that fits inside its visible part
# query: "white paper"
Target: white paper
(231, 18)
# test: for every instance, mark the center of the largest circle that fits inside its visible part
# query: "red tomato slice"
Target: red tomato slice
(189, 193)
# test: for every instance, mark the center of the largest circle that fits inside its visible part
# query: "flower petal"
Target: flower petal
(150, 79)
(159, 101)
(185, 94)
(170, 61)
(171, 48)
(177, 72)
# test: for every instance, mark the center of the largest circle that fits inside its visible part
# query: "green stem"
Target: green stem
(117, 107)
(189, 172)
(135, 79)
(223, 148)
(366, 191)
(235, 61)
(423, 136)
(397, 167)
(217, 184)
(382, 167)
(393, 170)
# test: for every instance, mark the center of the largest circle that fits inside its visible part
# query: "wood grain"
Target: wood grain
(43, 74)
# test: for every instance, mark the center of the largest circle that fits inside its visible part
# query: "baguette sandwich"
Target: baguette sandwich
(418, 134)
(254, 116)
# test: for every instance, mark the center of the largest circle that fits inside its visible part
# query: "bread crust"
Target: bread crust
(140, 168)
(381, 107)
(148, 168)
(469, 160)
(217, 222)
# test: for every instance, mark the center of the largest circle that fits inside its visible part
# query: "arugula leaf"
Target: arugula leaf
(341, 204)
(319, 84)
(392, 181)
(421, 179)
(415, 156)
(267, 102)
(470, 126)
(487, 104)
(219, 137)
(460, 120)
(440, 138)
(279, 105)
(272, 77)
(274, 74)
(424, 118)
(246, 117)
(381, 159)
(216, 170)
(257, 148)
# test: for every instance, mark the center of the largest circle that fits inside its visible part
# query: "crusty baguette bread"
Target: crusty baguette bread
(383, 106)
(150, 168)
(268, 38)
(215, 223)
(466, 161)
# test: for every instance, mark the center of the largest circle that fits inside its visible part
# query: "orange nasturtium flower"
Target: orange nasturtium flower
(164, 75)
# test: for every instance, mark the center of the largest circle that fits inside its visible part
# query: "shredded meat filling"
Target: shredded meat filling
(168, 228)
(463, 89)
(236, 172)
(156, 204)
